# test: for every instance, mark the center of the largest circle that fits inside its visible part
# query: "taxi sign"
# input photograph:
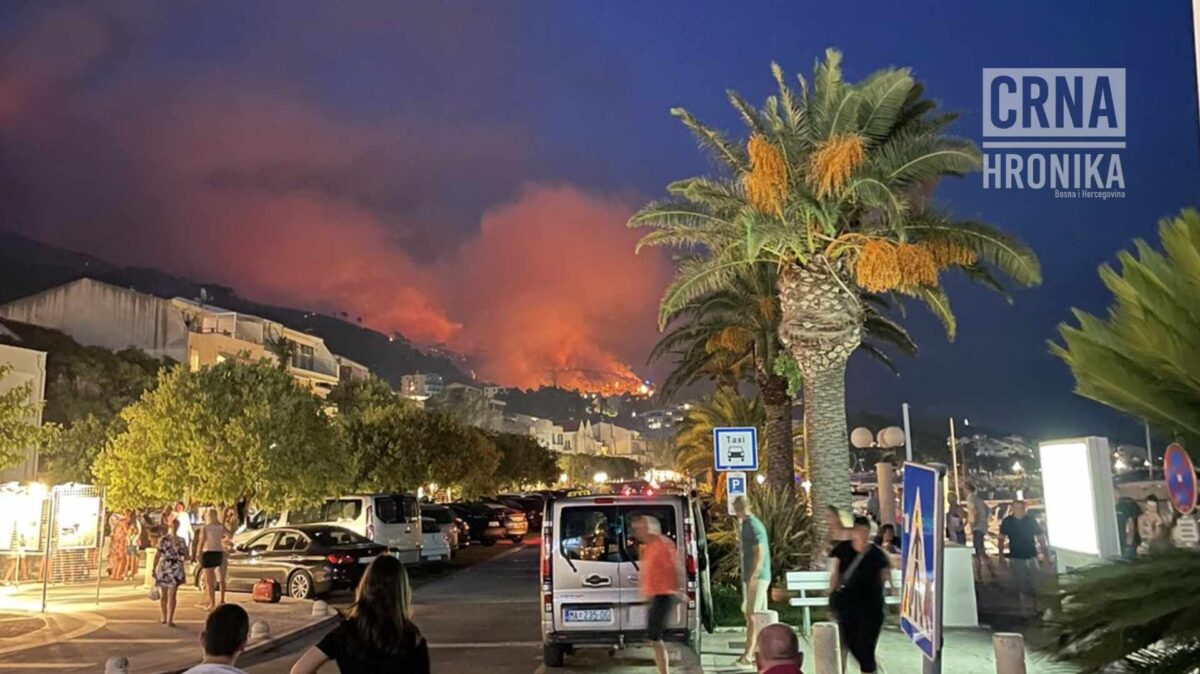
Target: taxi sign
(735, 448)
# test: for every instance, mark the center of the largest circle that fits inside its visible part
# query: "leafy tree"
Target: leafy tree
(397, 447)
(523, 460)
(1140, 616)
(1142, 359)
(67, 453)
(17, 434)
(355, 395)
(230, 432)
(832, 188)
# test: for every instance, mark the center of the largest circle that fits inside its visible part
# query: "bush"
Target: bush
(786, 517)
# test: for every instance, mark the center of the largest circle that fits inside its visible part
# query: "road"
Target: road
(484, 619)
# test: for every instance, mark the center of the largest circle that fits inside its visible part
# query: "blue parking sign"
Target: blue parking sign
(735, 485)
(921, 557)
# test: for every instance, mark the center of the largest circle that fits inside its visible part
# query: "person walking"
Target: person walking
(118, 549)
(860, 571)
(226, 631)
(210, 542)
(169, 561)
(778, 651)
(658, 583)
(377, 634)
(956, 524)
(756, 572)
(231, 526)
(1149, 524)
(885, 538)
(132, 540)
(1022, 534)
(980, 514)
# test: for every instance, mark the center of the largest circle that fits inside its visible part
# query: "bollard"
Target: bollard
(827, 648)
(320, 608)
(118, 664)
(764, 618)
(260, 630)
(1010, 652)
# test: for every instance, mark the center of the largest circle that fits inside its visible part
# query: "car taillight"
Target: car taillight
(337, 559)
(547, 570)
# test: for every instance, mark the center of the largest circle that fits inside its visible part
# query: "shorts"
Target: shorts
(211, 559)
(656, 617)
(757, 603)
(978, 536)
(1025, 575)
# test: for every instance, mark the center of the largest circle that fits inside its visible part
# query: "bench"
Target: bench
(813, 590)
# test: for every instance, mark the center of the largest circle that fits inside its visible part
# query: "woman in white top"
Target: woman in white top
(211, 544)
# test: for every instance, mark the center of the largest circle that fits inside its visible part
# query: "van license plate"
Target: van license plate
(366, 560)
(587, 615)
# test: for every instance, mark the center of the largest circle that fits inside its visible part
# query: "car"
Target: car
(393, 520)
(451, 524)
(486, 525)
(531, 504)
(516, 524)
(307, 560)
(589, 573)
(435, 541)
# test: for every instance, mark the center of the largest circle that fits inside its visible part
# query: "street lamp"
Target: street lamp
(887, 438)
(600, 478)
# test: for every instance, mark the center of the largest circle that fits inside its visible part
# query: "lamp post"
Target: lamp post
(887, 438)
(954, 456)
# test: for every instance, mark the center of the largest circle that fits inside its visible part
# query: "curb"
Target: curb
(250, 655)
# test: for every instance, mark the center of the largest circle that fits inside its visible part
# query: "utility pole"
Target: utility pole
(1146, 422)
(954, 458)
(907, 430)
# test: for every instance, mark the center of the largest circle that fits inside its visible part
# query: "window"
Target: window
(334, 536)
(665, 514)
(260, 544)
(589, 534)
(440, 515)
(291, 540)
(303, 358)
(335, 510)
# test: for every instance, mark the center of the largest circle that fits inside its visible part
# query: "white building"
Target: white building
(189, 332)
(421, 386)
(28, 368)
(547, 433)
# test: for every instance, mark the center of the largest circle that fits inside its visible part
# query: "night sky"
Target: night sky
(461, 172)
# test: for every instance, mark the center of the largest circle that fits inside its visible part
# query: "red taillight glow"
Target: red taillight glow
(337, 559)
(605, 501)
(547, 570)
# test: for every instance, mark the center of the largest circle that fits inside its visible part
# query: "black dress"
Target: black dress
(343, 646)
(860, 615)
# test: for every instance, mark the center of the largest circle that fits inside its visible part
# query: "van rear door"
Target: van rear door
(396, 522)
(634, 607)
(587, 569)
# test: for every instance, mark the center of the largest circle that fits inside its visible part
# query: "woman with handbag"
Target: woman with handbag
(168, 571)
(860, 571)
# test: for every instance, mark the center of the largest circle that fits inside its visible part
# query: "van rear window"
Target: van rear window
(664, 514)
(389, 510)
(589, 534)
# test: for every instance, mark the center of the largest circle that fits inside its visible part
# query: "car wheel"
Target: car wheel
(489, 541)
(300, 585)
(516, 539)
(552, 655)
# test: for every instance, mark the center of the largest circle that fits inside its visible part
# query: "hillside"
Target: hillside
(28, 266)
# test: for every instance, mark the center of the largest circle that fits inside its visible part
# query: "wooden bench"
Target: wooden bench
(813, 590)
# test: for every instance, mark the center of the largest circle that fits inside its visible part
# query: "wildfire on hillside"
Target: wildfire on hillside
(601, 383)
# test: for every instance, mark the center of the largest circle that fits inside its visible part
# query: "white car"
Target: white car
(589, 573)
(435, 542)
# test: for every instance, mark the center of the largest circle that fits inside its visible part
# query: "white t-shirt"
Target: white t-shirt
(185, 527)
(213, 668)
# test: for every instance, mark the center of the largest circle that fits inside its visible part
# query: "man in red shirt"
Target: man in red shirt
(658, 582)
(778, 651)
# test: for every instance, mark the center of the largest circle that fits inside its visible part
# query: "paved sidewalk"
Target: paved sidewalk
(80, 635)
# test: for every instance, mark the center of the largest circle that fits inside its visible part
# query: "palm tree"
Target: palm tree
(1144, 615)
(832, 188)
(694, 436)
(734, 331)
(1142, 360)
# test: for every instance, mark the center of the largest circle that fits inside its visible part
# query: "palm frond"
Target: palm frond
(1008, 255)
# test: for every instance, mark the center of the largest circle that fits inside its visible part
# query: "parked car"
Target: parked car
(516, 525)
(392, 520)
(435, 542)
(306, 560)
(452, 525)
(486, 524)
(589, 573)
(531, 504)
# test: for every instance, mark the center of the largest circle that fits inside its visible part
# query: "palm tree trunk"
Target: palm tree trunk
(777, 405)
(821, 325)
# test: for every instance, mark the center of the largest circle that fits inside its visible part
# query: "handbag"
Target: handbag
(838, 598)
(155, 593)
(267, 591)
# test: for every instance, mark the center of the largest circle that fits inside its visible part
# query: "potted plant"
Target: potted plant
(786, 517)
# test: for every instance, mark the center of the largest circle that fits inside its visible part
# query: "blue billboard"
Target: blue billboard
(921, 557)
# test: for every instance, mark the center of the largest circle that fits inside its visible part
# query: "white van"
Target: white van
(393, 520)
(589, 573)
